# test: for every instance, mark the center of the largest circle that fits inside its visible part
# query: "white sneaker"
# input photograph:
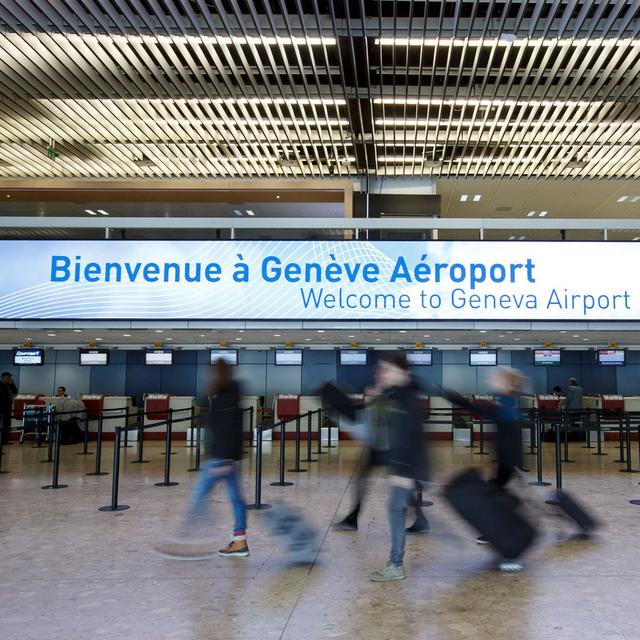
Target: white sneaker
(510, 567)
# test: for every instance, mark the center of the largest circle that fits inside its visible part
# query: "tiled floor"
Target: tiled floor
(70, 572)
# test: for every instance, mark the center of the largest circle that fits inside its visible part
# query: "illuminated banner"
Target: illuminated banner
(324, 280)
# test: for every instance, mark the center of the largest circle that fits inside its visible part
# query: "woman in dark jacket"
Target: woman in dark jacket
(223, 447)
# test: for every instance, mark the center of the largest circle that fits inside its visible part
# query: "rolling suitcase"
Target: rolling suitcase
(492, 512)
(574, 510)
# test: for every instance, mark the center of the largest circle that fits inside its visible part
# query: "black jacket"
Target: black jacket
(7, 392)
(223, 435)
(407, 454)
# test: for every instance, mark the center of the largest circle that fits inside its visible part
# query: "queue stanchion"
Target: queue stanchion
(1, 446)
(140, 459)
(197, 445)
(281, 482)
(620, 439)
(588, 444)
(125, 441)
(309, 454)
(115, 478)
(167, 458)
(533, 443)
(191, 444)
(482, 452)
(50, 436)
(251, 426)
(539, 481)
(599, 452)
(85, 436)
(258, 504)
(471, 445)
(168, 451)
(628, 468)
(319, 451)
(329, 427)
(566, 422)
(554, 499)
(97, 471)
(56, 462)
(297, 468)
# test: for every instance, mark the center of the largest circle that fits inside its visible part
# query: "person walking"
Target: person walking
(223, 447)
(407, 459)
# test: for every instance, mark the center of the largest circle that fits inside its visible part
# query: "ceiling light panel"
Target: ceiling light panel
(209, 89)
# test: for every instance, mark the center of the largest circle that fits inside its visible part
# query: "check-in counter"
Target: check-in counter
(439, 420)
(159, 406)
(114, 412)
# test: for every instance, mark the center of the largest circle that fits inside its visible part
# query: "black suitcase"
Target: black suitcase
(492, 512)
(574, 511)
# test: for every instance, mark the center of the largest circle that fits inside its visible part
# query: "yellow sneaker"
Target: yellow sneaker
(238, 548)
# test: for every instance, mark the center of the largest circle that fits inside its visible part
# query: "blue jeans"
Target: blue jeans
(206, 482)
(397, 507)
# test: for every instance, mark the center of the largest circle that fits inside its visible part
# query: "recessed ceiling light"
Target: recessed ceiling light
(620, 199)
(531, 214)
(277, 197)
(51, 335)
(576, 335)
(464, 198)
(483, 331)
(477, 197)
(563, 332)
(77, 331)
(126, 335)
(159, 331)
(352, 336)
(512, 237)
(91, 213)
(102, 212)
(501, 335)
(28, 338)
(98, 339)
(276, 335)
(8, 196)
(320, 330)
(402, 331)
(307, 339)
(522, 237)
(168, 338)
(240, 330)
(250, 213)
(448, 339)
(238, 338)
(237, 212)
(517, 339)
(426, 335)
(636, 238)
(585, 339)
(377, 339)
(202, 335)
(542, 214)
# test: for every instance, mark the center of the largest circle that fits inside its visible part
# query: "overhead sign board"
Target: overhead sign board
(323, 280)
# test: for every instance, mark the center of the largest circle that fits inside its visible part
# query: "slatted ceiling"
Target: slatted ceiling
(306, 88)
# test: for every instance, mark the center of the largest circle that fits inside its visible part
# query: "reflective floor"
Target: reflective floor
(72, 572)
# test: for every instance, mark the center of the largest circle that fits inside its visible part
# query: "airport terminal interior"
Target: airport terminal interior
(370, 264)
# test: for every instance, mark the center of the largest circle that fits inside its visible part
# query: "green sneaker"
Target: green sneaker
(389, 573)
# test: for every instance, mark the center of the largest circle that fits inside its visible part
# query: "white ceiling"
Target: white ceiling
(184, 88)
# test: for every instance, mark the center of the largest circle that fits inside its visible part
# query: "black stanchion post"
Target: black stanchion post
(97, 471)
(320, 452)
(168, 451)
(198, 441)
(115, 478)
(50, 435)
(620, 438)
(251, 427)
(309, 420)
(567, 422)
(1, 446)
(125, 444)
(56, 462)
(258, 504)
(281, 482)
(599, 452)
(482, 452)
(471, 423)
(588, 437)
(554, 500)
(297, 468)
(167, 458)
(532, 432)
(539, 482)
(191, 445)
(140, 459)
(329, 427)
(627, 422)
(85, 437)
